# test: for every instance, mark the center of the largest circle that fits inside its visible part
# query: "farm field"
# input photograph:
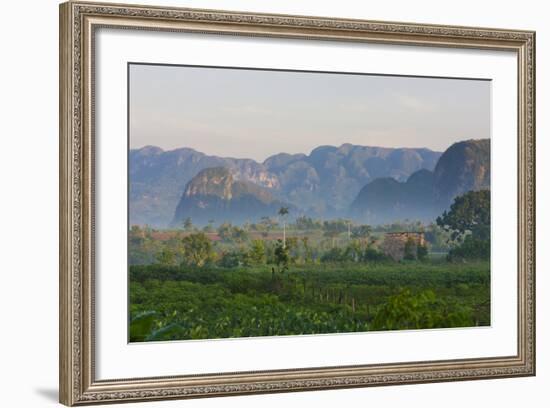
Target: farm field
(183, 302)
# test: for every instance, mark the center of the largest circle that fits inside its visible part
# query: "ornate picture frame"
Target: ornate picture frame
(79, 22)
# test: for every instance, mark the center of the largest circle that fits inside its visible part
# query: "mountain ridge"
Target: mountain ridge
(215, 195)
(463, 167)
(322, 183)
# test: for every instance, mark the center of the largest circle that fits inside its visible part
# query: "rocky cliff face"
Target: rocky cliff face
(465, 166)
(217, 181)
(158, 179)
(216, 195)
(327, 180)
(322, 183)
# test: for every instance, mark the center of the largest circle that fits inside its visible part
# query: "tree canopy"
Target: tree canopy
(470, 212)
(198, 249)
(283, 211)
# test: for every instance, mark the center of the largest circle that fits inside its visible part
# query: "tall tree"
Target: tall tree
(166, 257)
(470, 212)
(469, 223)
(257, 252)
(282, 257)
(198, 249)
(283, 212)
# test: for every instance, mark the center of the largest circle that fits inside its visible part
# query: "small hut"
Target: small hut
(394, 243)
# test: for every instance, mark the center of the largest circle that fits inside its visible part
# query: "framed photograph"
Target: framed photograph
(256, 203)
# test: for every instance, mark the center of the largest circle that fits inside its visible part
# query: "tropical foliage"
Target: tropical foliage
(279, 277)
(469, 223)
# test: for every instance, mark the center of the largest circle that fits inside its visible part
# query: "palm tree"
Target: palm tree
(283, 211)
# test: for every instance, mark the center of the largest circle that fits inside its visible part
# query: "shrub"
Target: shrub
(372, 255)
(198, 250)
(231, 259)
(421, 252)
(334, 255)
(472, 248)
(420, 311)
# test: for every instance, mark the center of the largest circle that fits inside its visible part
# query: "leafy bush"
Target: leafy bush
(182, 302)
(198, 249)
(471, 249)
(421, 252)
(420, 311)
(372, 255)
(233, 259)
(281, 255)
(470, 212)
(142, 325)
(257, 252)
(334, 255)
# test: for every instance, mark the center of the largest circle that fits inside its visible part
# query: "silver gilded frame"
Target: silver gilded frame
(78, 22)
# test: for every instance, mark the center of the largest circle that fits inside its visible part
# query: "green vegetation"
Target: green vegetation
(197, 250)
(469, 222)
(310, 277)
(170, 302)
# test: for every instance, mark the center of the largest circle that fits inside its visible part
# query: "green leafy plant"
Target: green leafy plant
(198, 249)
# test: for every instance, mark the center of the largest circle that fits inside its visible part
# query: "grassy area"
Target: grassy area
(183, 302)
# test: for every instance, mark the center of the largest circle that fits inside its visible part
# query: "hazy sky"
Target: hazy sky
(254, 114)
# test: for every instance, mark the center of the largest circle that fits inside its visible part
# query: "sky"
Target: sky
(254, 114)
